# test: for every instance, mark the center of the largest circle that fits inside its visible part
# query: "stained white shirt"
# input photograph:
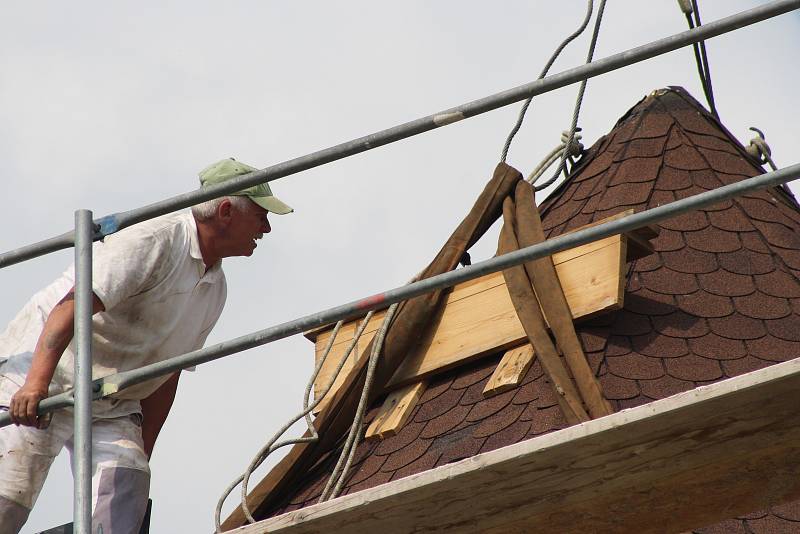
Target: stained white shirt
(159, 302)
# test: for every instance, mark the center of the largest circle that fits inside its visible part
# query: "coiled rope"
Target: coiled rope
(570, 146)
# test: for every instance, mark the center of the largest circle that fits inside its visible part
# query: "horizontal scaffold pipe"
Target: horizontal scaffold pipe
(112, 223)
(113, 383)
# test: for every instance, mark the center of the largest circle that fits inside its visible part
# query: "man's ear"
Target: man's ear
(225, 210)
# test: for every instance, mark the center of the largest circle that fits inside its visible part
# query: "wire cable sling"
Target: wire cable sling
(556, 53)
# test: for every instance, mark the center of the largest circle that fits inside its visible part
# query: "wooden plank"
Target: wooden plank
(458, 292)
(334, 421)
(480, 318)
(672, 465)
(510, 371)
(638, 240)
(395, 411)
(488, 322)
(592, 285)
(638, 247)
(345, 336)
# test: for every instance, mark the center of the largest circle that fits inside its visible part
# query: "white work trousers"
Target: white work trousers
(121, 474)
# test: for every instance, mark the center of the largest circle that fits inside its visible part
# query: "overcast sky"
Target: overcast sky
(109, 106)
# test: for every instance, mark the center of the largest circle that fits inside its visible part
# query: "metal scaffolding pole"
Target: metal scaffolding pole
(82, 455)
(113, 383)
(113, 223)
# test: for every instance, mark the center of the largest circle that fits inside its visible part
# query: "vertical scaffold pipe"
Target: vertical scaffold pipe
(82, 455)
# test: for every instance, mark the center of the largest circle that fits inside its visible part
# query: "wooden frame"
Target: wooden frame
(478, 316)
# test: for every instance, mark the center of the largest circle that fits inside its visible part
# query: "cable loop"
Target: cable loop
(573, 149)
(574, 145)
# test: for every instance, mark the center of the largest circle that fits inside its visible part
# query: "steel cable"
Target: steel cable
(692, 13)
(556, 53)
(578, 102)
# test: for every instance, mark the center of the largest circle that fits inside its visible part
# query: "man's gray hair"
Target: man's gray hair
(206, 210)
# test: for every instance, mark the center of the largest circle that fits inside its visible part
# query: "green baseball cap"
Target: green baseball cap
(261, 194)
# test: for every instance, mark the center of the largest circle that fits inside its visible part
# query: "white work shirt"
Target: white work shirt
(159, 302)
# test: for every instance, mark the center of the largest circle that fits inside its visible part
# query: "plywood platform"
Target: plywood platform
(674, 464)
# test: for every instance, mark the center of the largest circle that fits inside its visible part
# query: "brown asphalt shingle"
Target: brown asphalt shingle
(720, 297)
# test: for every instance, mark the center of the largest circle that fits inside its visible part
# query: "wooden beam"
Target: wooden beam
(395, 411)
(679, 463)
(510, 371)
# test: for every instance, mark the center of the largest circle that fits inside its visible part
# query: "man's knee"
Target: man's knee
(121, 502)
(25, 458)
(12, 516)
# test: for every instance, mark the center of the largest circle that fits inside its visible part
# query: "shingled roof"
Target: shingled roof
(720, 297)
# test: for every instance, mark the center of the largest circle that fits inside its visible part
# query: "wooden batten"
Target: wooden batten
(395, 410)
(672, 465)
(510, 371)
(479, 318)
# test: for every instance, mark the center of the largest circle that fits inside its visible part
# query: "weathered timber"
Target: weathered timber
(551, 295)
(689, 460)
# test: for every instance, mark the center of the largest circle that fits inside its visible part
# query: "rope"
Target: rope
(549, 64)
(339, 474)
(562, 166)
(271, 445)
(759, 149)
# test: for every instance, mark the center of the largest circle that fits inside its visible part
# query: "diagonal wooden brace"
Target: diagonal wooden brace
(522, 218)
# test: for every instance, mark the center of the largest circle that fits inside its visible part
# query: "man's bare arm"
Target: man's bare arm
(56, 335)
(155, 409)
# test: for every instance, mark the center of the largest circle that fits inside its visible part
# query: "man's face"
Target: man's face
(246, 227)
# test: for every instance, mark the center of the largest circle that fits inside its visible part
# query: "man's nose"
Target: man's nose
(266, 228)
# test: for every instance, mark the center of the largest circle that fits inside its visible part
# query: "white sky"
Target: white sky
(111, 106)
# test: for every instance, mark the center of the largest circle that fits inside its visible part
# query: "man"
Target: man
(158, 291)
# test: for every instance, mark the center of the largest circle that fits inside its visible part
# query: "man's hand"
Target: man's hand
(55, 337)
(24, 404)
